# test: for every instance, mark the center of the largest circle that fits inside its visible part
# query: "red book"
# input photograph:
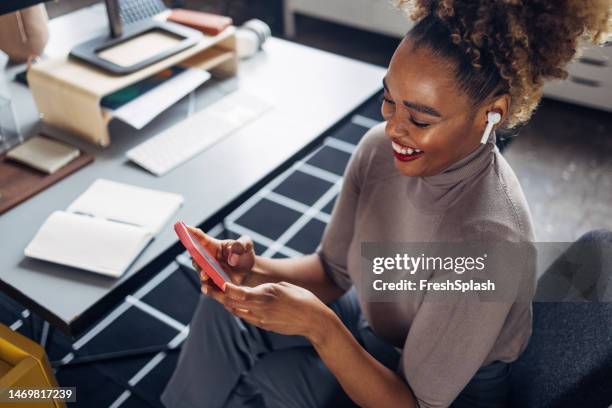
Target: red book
(207, 23)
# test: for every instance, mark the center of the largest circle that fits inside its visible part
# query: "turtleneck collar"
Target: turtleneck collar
(444, 188)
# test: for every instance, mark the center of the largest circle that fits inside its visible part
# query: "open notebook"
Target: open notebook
(105, 228)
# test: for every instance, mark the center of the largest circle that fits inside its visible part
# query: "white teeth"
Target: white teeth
(399, 148)
(404, 150)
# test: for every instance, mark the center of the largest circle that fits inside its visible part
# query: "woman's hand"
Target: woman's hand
(236, 257)
(280, 307)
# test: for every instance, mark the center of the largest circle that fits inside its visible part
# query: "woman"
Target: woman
(290, 332)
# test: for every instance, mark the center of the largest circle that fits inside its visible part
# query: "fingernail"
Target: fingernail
(205, 290)
(233, 259)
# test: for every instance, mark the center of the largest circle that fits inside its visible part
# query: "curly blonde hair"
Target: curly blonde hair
(528, 41)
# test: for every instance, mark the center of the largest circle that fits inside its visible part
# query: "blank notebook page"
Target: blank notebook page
(108, 199)
(88, 243)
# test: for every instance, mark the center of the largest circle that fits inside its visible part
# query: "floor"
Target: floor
(562, 158)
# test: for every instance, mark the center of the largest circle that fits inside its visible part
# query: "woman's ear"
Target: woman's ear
(501, 105)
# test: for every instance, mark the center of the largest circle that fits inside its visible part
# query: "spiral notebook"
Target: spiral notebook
(105, 228)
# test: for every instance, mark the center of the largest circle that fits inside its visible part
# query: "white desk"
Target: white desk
(312, 90)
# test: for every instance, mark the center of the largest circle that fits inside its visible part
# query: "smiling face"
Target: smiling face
(431, 123)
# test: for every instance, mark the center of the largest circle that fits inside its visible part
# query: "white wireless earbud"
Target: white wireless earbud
(493, 118)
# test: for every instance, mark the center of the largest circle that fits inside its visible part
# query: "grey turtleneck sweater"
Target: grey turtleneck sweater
(478, 198)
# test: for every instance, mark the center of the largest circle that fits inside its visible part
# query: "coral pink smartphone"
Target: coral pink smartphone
(203, 258)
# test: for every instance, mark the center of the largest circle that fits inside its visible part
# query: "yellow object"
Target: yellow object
(24, 364)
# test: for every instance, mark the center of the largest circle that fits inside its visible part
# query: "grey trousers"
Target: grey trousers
(226, 362)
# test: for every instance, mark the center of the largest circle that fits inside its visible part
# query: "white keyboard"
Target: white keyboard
(186, 139)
